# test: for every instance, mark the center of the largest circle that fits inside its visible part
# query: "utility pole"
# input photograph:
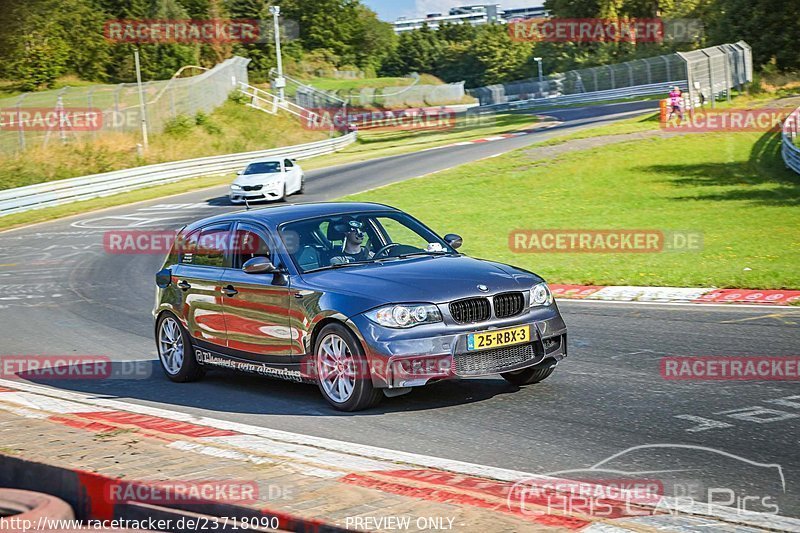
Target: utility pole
(539, 61)
(280, 81)
(142, 110)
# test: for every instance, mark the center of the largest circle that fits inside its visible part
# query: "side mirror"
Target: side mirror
(453, 240)
(239, 172)
(259, 265)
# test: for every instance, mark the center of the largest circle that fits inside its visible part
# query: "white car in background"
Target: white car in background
(267, 179)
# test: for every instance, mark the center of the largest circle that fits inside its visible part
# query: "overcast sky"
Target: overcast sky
(390, 10)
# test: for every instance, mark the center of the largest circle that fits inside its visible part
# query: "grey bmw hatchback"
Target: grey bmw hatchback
(360, 298)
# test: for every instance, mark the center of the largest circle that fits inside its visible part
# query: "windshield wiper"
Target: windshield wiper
(338, 265)
(423, 252)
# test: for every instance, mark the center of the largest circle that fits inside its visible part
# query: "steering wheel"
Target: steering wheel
(386, 248)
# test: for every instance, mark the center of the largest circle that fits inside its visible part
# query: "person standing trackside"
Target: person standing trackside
(675, 103)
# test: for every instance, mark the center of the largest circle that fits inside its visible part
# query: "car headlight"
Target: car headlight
(405, 315)
(235, 187)
(541, 295)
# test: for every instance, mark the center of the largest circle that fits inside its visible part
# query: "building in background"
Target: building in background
(476, 14)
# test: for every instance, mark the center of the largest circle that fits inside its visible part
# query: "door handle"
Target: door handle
(229, 291)
(185, 285)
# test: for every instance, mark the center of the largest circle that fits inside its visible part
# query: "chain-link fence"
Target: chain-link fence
(709, 72)
(36, 119)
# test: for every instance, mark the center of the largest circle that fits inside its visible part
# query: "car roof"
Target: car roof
(277, 215)
(267, 160)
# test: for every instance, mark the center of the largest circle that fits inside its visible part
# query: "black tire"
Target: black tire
(302, 185)
(189, 369)
(531, 375)
(285, 197)
(363, 395)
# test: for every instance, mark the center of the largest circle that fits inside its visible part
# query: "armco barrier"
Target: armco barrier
(588, 98)
(71, 190)
(790, 150)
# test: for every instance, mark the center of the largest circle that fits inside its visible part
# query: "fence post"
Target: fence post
(611, 77)
(711, 80)
(666, 62)
(728, 79)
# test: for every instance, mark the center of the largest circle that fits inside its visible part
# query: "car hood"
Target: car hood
(255, 179)
(435, 279)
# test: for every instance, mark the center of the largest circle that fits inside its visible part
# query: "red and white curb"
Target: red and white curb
(702, 295)
(413, 475)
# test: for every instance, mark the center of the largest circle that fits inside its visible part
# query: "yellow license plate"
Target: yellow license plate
(498, 337)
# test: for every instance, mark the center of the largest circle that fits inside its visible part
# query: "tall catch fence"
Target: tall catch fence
(116, 107)
(708, 73)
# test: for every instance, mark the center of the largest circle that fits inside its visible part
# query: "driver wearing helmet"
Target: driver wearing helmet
(352, 249)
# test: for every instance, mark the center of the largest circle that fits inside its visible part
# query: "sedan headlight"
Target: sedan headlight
(235, 187)
(405, 315)
(541, 295)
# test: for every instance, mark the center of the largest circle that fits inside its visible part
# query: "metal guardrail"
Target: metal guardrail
(789, 132)
(587, 98)
(266, 101)
(84, 188)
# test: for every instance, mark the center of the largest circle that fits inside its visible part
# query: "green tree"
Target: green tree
(771, 27)
(44, 39)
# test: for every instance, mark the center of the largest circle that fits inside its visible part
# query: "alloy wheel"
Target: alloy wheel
(336, 368)
(170, 345)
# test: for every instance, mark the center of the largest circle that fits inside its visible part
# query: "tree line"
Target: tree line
(45, 39)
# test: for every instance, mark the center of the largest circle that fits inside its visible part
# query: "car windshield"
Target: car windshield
(264, 167)
(356, 238)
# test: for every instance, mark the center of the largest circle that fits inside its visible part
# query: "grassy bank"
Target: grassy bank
(731, 187)
(231, 128)
(346, 84)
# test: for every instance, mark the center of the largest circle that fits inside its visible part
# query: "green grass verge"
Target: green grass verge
(731, 187)
(383, 144)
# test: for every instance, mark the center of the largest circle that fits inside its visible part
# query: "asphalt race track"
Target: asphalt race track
(60, 294)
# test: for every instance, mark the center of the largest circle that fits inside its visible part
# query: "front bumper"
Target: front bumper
(238, 196)
(432, 352)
